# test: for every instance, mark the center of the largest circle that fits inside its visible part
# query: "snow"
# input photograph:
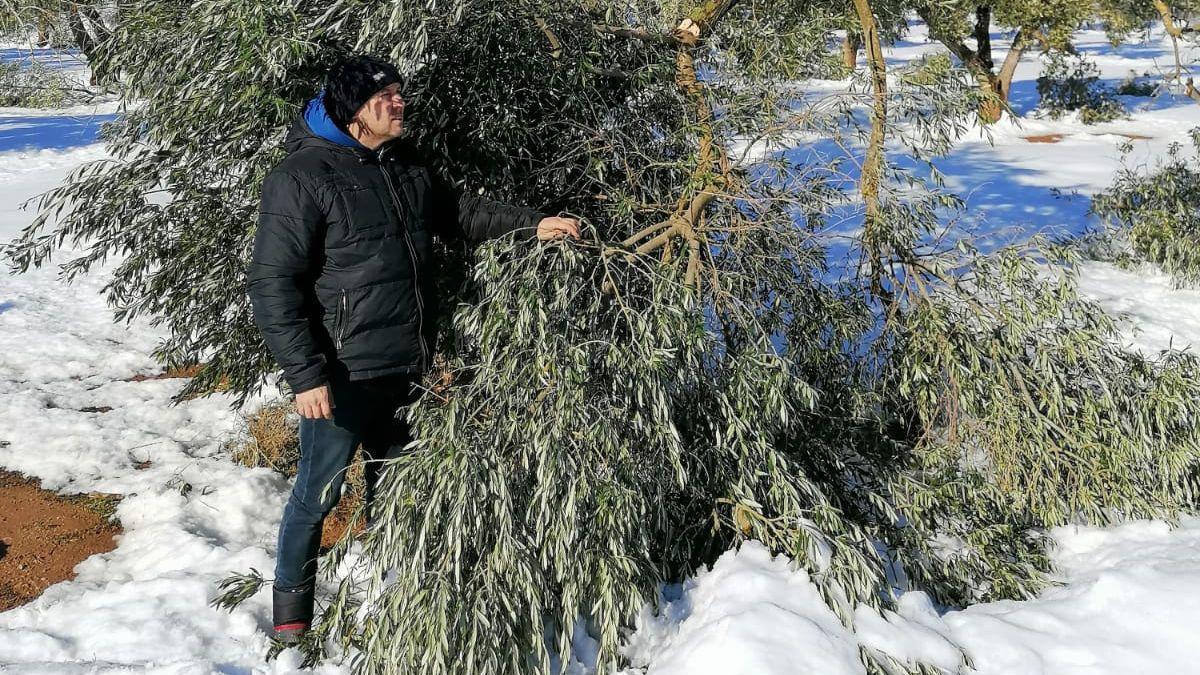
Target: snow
(144, 604)
(1127, 599)
(750, 614)
(1128, 602)
(1158, 315)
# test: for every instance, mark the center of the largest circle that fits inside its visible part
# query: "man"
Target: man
(340, 281)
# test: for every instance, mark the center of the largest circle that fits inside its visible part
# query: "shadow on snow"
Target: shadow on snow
(51, 132)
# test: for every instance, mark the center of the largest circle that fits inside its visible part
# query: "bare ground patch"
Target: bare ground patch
(168, 374)
(1045, 138)
(1055, 138)
(44, 535)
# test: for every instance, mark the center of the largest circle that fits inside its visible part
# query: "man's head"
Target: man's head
(362, 96)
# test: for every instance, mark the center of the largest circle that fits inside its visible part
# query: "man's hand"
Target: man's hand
(557, 228)
(315, 404)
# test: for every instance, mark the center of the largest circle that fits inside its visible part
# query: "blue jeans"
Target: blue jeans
(364, 412)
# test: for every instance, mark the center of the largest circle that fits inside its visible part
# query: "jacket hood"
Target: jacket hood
(314, 127)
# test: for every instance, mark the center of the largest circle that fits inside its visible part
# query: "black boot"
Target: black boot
(292, 612)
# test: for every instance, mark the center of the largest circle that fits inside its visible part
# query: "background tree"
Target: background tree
(892, 23)
(965, 26)
(1129, 19)
(1179, 28)
(82, 21)
(703, 368)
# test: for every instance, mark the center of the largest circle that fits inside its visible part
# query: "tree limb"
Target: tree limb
(873, 163)
(1007, 69)
(710, 157)
(661, 240)
(1175, 31)
(983, 35)
(711, 12)
(693, 264)
(637, 236)
(960, 50)
(556, 46)
(642, 34)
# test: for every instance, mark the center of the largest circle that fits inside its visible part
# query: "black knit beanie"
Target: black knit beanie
(350, 83)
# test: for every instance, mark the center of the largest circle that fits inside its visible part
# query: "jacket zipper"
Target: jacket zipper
(341, 320)
(412, 253)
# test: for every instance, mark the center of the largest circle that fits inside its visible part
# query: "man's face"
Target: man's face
(383, 113)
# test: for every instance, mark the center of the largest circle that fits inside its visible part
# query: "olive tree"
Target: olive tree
(703, 367)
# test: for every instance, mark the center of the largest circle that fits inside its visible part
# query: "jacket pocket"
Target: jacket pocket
(361, 212)
(339, 319)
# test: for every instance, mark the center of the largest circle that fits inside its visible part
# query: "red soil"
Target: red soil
(43, 535)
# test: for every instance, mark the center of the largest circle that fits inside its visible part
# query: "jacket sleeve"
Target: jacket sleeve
(461, 214)
(279, 278)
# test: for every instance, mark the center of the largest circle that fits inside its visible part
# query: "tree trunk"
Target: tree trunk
(983, 68)
(850, 46)
(83, 39)
(994, 86)
(1011, 61)
(992, 107)
(99, 31)
(873, 164)
(43, 31)
(997, 86)
(101, 34)
(1175, 31)
(983, 36)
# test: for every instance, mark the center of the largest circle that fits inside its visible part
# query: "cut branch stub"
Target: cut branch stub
(688, 32)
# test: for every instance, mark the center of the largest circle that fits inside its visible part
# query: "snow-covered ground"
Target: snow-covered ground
(1129, 601)
(1129, 604)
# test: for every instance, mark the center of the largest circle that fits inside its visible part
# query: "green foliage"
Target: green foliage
(58, 24)
(698, 371)
(965, 27)
(237, 588)
(929, 70)
(633, 446)
(1034, 415)
(1159, 211)
(1134, 86)
(34, 85)
(1073, 85)
(954, 23)
(1135, 19)
(207, 134)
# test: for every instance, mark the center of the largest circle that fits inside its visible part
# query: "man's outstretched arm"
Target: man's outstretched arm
(478, 219)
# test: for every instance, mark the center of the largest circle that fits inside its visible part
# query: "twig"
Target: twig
(693, 265)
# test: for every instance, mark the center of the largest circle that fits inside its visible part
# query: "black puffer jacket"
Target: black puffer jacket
(340, 277)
